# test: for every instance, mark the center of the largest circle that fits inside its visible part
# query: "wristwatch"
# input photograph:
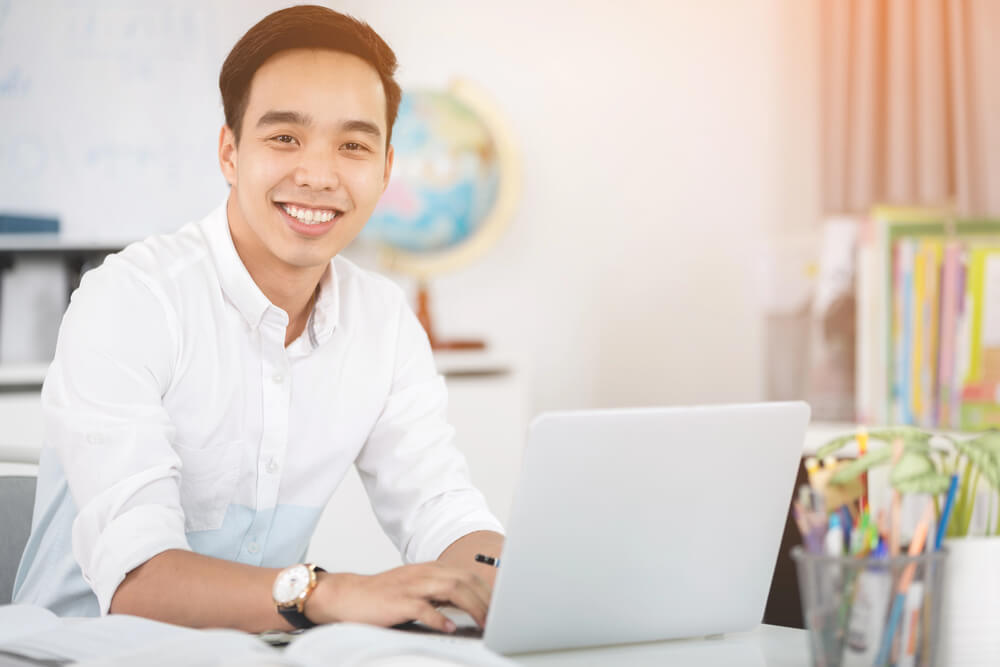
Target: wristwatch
(292, 587)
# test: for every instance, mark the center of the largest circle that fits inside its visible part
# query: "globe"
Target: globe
(453, 184)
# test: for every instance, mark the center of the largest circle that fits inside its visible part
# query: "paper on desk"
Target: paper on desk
(197, 648)
(88, 638)
(119, 640)
(351, 645)
(17, 620)
(342, 645)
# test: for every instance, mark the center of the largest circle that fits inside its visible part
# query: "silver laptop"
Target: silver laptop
(645, 524)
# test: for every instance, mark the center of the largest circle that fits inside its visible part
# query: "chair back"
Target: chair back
(17, 500)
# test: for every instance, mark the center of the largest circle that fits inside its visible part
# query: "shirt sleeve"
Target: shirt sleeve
(417, 480)
(105, 419)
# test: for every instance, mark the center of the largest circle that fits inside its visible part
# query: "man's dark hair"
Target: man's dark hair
(304, 27)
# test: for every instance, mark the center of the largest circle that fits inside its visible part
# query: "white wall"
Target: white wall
(661, 142)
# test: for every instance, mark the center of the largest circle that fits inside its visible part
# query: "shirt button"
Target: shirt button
(277, 378)
(253, 548)
(272, 466)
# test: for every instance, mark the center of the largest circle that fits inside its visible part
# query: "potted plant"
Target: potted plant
(970, 605)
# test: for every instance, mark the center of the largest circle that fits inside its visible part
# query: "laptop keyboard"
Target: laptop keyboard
(468, 631)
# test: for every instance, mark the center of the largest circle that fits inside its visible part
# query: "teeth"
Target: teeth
(309, 216)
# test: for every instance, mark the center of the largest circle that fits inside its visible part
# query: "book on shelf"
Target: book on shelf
(19, 223)
(928, 326)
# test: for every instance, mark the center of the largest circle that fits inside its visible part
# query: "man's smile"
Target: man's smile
(310, 216)
(306, 221)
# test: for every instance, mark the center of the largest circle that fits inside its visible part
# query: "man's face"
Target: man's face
(311, 162)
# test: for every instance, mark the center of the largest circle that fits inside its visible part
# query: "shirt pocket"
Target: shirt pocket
(209, 476)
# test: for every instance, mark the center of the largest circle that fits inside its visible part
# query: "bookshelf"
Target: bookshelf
(76, 255)
(928, 325)
(72, 257)
(18, 378)
(53, 245)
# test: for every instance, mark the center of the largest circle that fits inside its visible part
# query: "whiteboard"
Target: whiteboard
(111, 110)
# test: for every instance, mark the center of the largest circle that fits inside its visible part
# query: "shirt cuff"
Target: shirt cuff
(130, 540)
(433, 540)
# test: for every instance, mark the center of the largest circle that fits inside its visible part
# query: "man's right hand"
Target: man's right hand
(407, 593)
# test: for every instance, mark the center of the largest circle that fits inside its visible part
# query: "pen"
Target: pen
(862, 439)
(805, 497)
(833, 543)
(846, 522)
(812, 465)
(949, 502)
(812, 526)
(916, 546)
(860, 533)
(896, 509)
(488, 560)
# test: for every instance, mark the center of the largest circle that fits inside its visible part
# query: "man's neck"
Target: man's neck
(293, 294)
(288, 287)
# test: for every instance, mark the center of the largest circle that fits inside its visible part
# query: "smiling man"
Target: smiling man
(212, 387)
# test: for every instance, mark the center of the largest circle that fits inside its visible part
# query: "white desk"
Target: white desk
(766, 646)
(120, 641)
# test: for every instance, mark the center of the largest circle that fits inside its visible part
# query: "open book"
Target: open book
(35, 637)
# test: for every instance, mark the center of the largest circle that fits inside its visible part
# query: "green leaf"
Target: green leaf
(834, 446)
(907, 434)
(969, 505)
(933, 483)
(916, 473)
(984, 453)
(957, 522)
(997, 530)
(879, 456)
(849, 471)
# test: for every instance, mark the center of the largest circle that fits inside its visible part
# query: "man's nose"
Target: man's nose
(318, 169)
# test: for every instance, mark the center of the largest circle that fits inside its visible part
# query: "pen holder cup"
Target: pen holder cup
(867, 611)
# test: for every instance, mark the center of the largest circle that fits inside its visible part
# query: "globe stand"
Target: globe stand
(424, 315)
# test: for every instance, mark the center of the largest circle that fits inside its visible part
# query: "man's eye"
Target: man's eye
(354, 146)
(285, 139)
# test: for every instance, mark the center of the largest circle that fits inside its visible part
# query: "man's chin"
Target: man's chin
(305, 253)
(310, 260)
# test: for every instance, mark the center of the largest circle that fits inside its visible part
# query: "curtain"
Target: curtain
(910, 104)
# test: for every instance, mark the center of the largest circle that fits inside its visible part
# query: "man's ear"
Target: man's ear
(389, 155)
(227, 154)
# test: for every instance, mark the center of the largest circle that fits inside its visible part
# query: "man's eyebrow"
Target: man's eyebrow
(275, 117)
(279, 117)
(364, 126)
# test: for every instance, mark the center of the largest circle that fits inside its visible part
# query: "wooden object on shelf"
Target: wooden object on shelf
(424, 315)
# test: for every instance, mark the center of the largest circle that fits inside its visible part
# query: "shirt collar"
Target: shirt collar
(326, 311)
(240, 288)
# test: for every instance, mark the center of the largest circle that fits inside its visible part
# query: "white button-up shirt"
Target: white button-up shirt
(176, 418)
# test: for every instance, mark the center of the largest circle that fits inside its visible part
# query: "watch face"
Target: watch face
(291, 583)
